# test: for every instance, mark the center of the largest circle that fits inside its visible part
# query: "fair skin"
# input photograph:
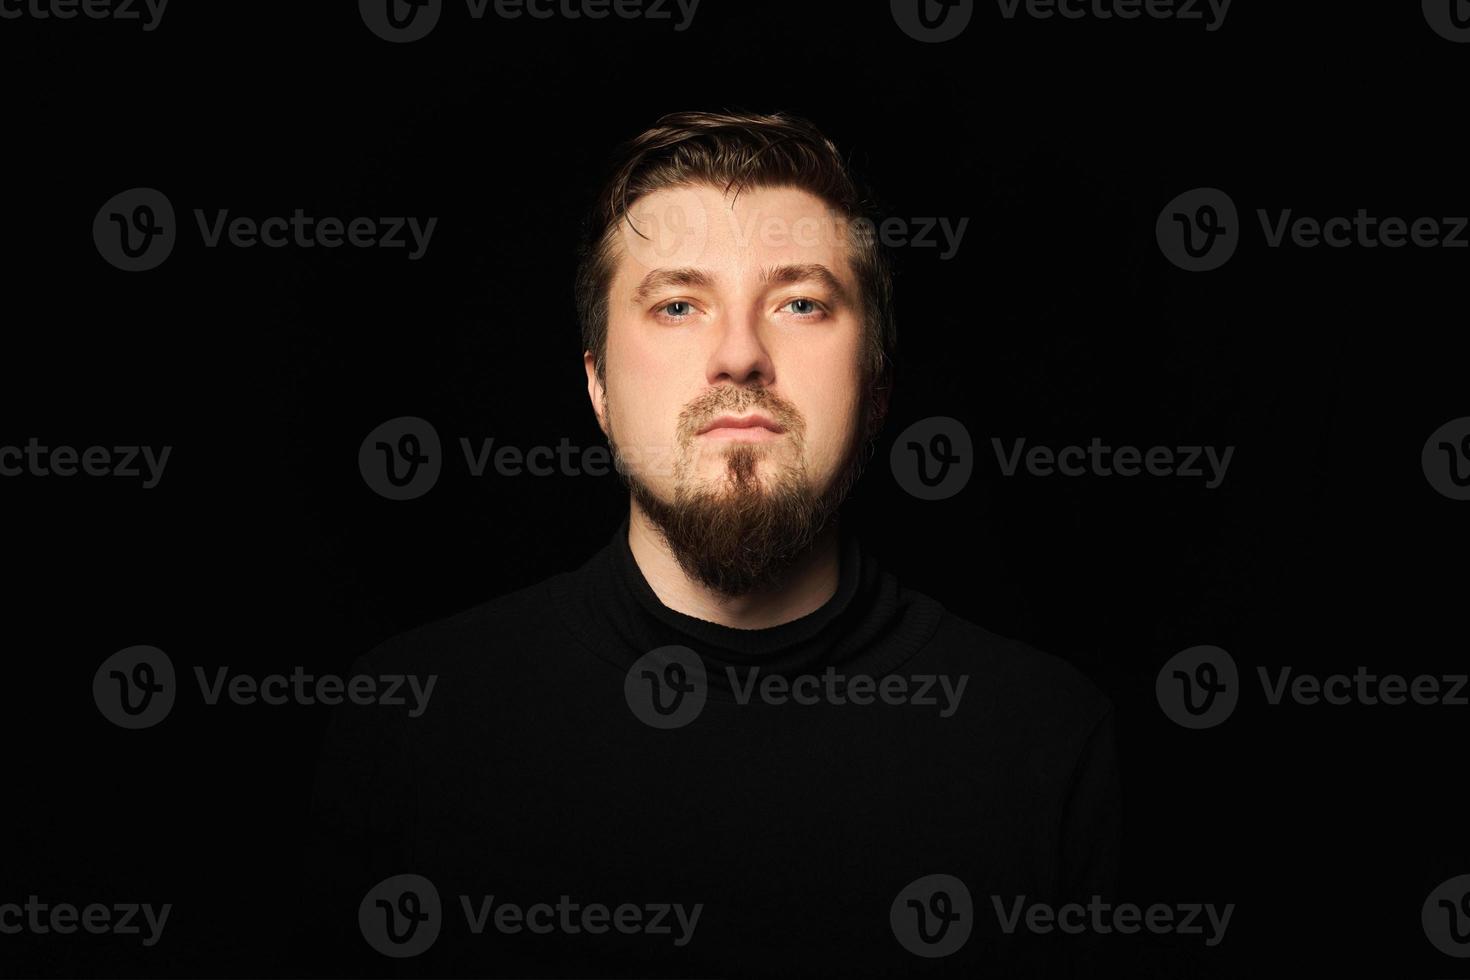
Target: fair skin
(730, 291)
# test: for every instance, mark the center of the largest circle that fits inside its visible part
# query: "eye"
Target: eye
(805, 309)
(679, 309)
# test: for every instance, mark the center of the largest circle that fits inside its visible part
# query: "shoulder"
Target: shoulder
(1012, 677)
(490, 632)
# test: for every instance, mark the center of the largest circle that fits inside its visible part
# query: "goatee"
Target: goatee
(740, 534)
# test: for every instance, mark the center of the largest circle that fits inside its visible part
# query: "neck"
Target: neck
(804, 587)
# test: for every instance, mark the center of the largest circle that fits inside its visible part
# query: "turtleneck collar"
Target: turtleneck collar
(869, 625)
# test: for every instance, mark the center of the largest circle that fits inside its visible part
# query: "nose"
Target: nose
(740, 356)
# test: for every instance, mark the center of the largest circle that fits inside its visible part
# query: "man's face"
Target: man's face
(745, 310)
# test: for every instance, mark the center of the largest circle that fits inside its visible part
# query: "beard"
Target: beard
(739, 533)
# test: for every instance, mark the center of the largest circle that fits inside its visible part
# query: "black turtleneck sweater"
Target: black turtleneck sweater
(806, 776)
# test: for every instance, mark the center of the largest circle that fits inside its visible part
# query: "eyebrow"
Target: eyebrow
(780, 275)
(789, 275)
(663, 278)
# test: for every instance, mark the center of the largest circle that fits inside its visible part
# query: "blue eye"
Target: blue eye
(804, 307)
(684, 308)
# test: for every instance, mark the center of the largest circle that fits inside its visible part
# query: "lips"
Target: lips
(748, 422)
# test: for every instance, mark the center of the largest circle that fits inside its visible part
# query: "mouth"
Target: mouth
(750, 428)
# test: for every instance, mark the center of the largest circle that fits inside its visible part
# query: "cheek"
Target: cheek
(645, 413)
(833, 398)
(842, 424)
(831, 421)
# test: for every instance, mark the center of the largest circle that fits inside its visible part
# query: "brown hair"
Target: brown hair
(739, 150)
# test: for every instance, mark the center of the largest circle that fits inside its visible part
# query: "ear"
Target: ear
(595, 390)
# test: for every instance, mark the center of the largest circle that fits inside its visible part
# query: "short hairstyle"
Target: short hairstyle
(738, 150)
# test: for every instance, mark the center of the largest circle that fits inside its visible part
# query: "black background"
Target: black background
(1058, 320)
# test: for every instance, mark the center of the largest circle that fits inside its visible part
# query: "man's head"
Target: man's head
(730, 272)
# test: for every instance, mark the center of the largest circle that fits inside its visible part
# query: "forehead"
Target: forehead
(731, 237)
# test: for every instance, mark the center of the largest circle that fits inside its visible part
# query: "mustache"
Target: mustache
(731, 400)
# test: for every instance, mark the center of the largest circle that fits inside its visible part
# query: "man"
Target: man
(729, 743)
